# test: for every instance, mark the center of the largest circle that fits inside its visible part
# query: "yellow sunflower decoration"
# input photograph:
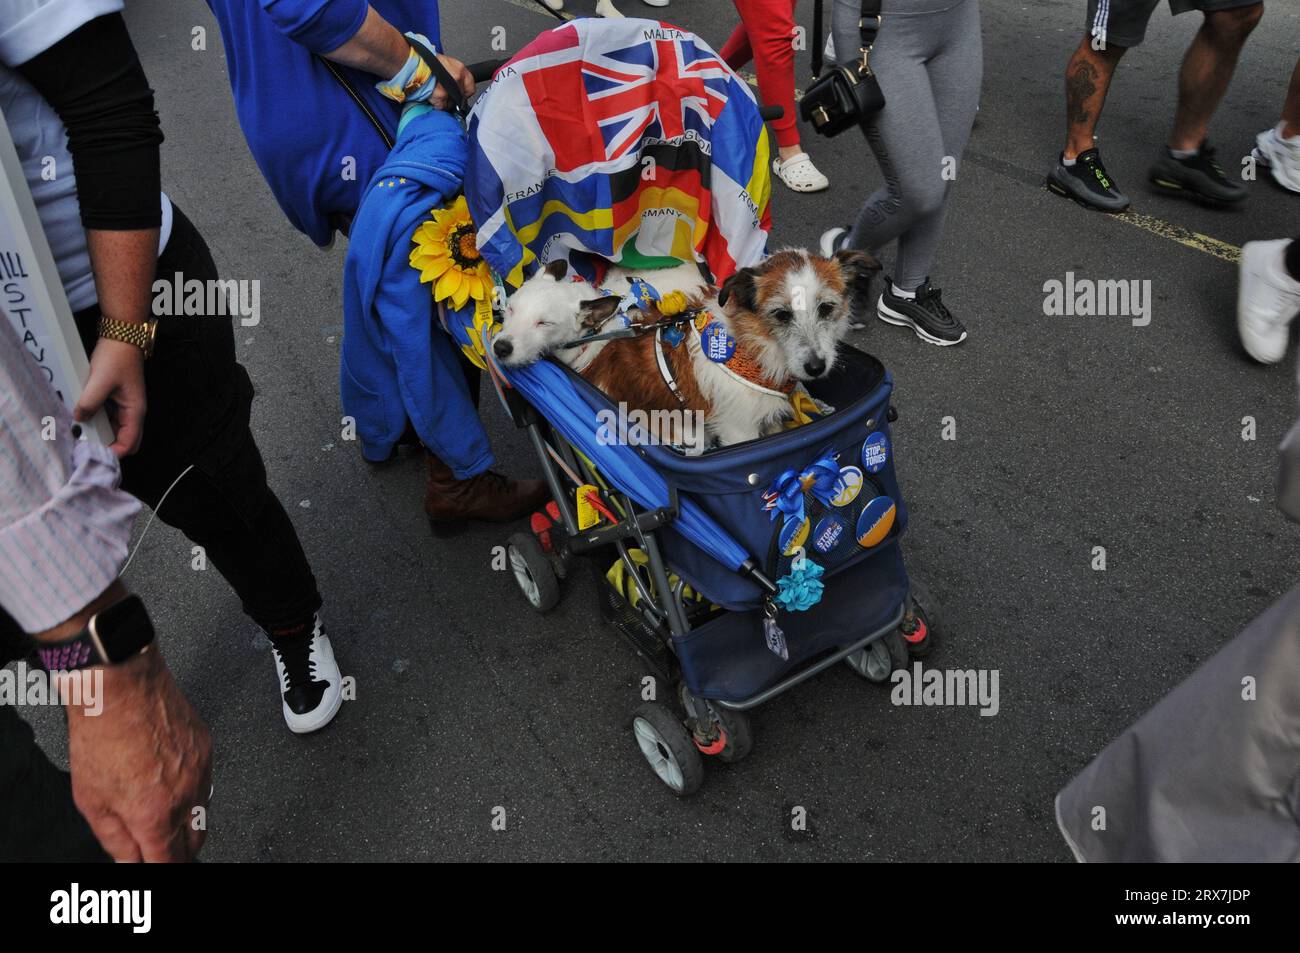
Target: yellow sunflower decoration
(446, 256)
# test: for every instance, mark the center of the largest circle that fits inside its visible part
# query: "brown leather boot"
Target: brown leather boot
(492, 497)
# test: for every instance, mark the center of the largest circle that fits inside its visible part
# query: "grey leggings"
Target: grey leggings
(929, 58)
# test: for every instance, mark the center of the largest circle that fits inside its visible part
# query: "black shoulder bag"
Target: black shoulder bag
(847, 95)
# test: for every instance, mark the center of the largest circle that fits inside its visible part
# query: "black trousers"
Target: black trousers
(199, 403)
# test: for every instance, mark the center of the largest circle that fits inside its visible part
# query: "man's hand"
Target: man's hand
(124, 264)
(460, 73)
(378, 47)
(141, 766)
(116, 373)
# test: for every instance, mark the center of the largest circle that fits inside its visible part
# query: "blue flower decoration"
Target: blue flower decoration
(801, 588)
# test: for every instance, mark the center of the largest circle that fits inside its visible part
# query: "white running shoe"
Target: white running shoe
(831, 241)
(655, 3)
(556, 5)
(606, 9)
(1282, 156)
(310, 683)
(1268, 299)
(799, 173)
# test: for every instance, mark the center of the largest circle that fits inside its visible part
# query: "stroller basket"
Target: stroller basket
(865, 586)
(729, 484)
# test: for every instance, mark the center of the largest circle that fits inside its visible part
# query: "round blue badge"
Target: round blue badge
(717, 343)
(875, 452)
(793, 535)
(849, 486)
(876, 521)
(827, 535)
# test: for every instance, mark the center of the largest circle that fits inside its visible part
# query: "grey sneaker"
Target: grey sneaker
(1199, 177)
(1087, 182)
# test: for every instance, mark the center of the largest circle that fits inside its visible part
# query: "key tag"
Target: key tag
(772, 633)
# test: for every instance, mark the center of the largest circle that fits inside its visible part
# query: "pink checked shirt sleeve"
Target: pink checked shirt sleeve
(64, 524)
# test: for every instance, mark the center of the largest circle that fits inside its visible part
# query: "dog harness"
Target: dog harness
(740, 366)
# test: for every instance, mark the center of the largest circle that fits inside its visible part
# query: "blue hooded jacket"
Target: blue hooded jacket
(313, 141)
(397, 362)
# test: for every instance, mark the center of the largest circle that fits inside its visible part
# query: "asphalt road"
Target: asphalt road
(1072, 432)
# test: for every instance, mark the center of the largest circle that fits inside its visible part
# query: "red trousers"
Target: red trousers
(766, 36)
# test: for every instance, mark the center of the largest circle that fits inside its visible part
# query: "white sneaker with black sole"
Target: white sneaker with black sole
(1268, 299)
(926, 314)
(310, 684)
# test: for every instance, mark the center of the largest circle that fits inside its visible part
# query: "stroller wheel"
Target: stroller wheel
(920, 640)
(740, 735)
(667, 746)
(736, 727)
(533, 572)
(879, 660)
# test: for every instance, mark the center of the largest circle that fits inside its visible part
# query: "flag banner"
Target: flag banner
(628, 139)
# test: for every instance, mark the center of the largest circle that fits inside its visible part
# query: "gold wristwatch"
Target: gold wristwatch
(139, 333)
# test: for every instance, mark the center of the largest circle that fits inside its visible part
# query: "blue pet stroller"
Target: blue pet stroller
(738, 573)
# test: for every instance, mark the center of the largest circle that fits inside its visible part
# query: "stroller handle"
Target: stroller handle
(483, 70)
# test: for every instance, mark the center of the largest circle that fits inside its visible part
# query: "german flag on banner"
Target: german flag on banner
(628, 139)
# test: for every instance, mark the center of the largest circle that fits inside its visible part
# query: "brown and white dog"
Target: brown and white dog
(773, 326)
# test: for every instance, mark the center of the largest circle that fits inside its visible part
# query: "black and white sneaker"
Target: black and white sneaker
(310, 684)
(1087, 182)
(1199, 176)
(832, 240)
(926, 314)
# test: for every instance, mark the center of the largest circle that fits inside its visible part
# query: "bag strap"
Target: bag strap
(449, 85)
(868, 27)
(361, 103)
(819, 40)
(444, 79)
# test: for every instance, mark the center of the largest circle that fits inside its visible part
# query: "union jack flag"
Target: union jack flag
(660, 87)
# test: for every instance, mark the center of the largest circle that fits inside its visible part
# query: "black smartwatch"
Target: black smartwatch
(112, 636)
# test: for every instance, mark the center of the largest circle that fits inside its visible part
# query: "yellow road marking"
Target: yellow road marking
(1183, 236)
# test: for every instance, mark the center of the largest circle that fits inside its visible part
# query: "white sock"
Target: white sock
(898, 292)
(1184, 153)
(1068, 163)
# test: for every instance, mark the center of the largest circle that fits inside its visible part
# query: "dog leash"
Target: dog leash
(634, 330)
(665, 371)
